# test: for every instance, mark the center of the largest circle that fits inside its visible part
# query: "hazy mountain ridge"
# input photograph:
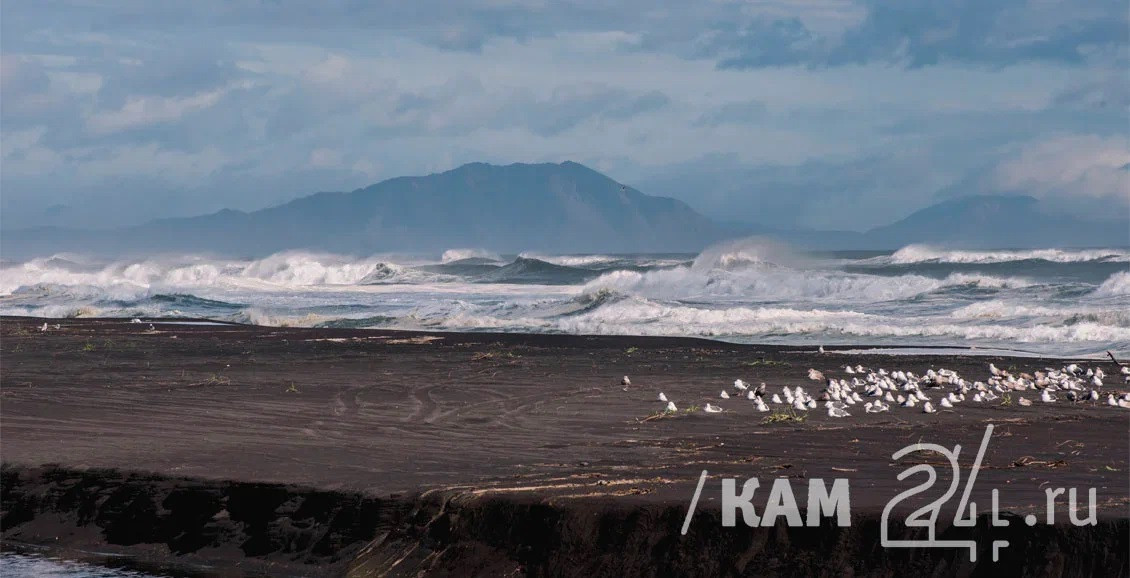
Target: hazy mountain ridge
(564, 207)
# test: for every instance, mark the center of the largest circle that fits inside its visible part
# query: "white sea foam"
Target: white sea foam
(780, 283)
(1117, 284)
(290, 269)
(460, 254)
(912, 254)
(571, 260)
(644, 317)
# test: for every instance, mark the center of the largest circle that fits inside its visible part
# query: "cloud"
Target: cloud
(1070, 166)
(747, 112)
(141, 111)
(823, 110)
(927, 33)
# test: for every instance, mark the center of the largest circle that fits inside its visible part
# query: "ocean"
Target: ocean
(1055, 302)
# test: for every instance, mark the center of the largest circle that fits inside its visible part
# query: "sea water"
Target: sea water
(1046, 301)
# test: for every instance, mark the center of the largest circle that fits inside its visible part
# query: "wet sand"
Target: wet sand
(519, 419)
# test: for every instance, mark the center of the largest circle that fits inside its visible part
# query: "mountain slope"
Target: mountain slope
(546, 207)
(996, 221)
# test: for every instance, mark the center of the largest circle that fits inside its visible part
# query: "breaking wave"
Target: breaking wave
(1117, 285)
(452, 255)
(913, 254)
(1055, 301)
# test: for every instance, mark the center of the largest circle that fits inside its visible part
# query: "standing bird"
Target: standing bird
(625, 381)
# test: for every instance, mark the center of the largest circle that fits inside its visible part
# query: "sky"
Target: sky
(836, 114)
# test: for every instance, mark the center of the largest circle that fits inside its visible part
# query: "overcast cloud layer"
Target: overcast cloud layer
(817, 113)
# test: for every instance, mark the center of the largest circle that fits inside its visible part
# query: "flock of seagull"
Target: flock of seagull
(876, 391)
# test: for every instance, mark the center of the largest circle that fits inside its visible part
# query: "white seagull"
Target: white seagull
(837, 412)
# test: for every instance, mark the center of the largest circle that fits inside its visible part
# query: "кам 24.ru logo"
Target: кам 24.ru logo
(826, 500)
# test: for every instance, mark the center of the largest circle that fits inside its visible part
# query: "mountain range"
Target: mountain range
(564, 207)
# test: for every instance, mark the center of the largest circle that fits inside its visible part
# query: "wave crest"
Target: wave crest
(913, 254)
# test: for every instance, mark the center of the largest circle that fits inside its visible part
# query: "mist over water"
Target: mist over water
(1051, 301)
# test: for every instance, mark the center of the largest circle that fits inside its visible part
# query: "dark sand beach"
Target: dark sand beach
(243, 450)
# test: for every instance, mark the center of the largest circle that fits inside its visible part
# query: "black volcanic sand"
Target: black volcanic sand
(231, 449)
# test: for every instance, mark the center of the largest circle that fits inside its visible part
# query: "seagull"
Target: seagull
(135, 320)
(625, 381)
(712, 409)
(760, 405)
(815, 375)
(837, 412)
(821, 349)
(928, 408)
(740, 385)
(848, 370)
(1097, 381)
(44, 328)
(662, 396)
(775, 399)
(671, 407)
(993, 370)
(724, 395)
(945, 402)
(751, 395)
(1024, 402)
(1047, 397)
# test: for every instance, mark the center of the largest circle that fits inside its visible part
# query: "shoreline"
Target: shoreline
(860, 348)
(502, 444)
